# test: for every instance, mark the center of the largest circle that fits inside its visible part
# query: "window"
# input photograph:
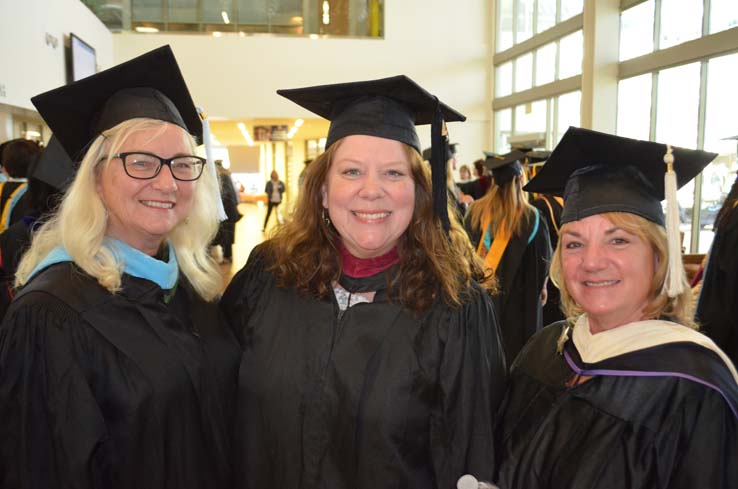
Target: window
(524, 27)
(530, 117)
(504, 25)
(570, 55)
(546, 64)
(636, 31)
(634, 107)
(504, 79)
(523, 72)
(546, 17)
(681, 21)
(718, 177)
(723, 15)
(569, 113)
(503, 129)
(570, 8)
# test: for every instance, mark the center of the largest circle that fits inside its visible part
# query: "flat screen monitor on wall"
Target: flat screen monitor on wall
(81, 59)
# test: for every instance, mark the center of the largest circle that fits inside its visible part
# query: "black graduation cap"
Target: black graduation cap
(388, 108)
(450, 152)
(598, 172)
(54, 166)
(150, 86)
(504, 167)
(537, 156)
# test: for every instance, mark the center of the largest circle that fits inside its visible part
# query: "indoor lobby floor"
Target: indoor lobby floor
(248, 235)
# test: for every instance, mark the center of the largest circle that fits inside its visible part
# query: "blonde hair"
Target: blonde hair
(81, 222)
(432, 265)
(660, 305)
(508, 204)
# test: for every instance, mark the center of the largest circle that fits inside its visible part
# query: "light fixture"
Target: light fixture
(146, 29)
(32, 134)
(242, 33)
(299, 123)
(314, 36)
(326, 12)
(217, 34)
(224, 14)
(296, 19)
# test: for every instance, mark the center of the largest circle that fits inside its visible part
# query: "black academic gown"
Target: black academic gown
(717, 306)
(520, 274)
(14, 241)
(369, 398)
(114, 391)
(552, 310)
(617, 431)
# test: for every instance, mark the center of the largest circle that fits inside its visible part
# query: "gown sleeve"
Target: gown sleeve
(52, 433)
(699, 445)
(472, 384)
(242, 292)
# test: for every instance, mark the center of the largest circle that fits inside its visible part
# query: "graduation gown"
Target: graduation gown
(520, 274)
(101, 390)
(630, 425)
(552, 216)
(14, 241)
(717, 306)
(370, 397)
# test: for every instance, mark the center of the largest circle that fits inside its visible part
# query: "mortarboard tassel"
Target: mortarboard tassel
(438, 167)
(211, 164)
(673, 282)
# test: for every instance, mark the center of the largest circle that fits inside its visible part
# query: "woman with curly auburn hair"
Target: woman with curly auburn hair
(372, 356)
(624, 392)
(115, 370)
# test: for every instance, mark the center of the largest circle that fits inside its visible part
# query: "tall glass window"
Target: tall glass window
(504, 38)
(530, 117)
(183, 11)
(570, 55)
(634, 107)
(147, 10)
(523, 72)
(718, 177)
(570, 8)
(569, 113)
(524, 27)
(546, 64)
(546, 15)
(723, 15)
(681, 21)
(503, 130)
(636, 30)
(504, 79)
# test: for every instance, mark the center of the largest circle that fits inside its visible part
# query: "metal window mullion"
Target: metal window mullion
(515, 21)
(657, 25)
(706, 8)
(534, 29)
(654, 105)
(553, 119)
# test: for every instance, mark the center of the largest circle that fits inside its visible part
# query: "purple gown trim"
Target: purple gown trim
(638, 373)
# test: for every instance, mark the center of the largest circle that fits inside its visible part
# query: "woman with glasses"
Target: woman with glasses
(114, 369)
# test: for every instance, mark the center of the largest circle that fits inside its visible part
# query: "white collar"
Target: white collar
(639, 335)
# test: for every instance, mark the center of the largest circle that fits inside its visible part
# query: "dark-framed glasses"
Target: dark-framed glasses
(145, 166)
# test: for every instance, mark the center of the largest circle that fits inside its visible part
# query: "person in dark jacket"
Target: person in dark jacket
(372, 353)
(274, 190)
(115, 370)
(227, 229)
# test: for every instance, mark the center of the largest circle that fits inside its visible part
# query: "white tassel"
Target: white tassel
(211, 164)
(674, 273)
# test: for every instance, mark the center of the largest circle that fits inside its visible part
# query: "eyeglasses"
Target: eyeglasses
(145, 166)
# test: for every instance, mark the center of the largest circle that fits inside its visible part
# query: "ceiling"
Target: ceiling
(228, 133)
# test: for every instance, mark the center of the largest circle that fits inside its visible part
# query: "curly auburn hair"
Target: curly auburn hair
(432, 264)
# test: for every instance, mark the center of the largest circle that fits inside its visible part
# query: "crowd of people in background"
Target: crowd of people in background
(520, 322)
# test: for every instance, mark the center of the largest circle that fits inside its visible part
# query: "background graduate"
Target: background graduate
(513, 241)
(114, 369)
(372, 355)
(625, 393)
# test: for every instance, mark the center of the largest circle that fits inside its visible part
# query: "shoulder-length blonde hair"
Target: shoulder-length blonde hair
(660, 305)
(432, 263)
(81, 222)
(506, 204)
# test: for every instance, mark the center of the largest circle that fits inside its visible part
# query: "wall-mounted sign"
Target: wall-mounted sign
(271, 133)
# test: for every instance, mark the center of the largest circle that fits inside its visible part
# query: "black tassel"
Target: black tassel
(439, 143)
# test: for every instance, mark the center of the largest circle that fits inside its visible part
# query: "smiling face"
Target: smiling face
(142, 212)
(607, 271)
(369, 193)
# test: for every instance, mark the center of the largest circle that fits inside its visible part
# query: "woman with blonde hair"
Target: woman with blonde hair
(114, 369)
(372, 356)
(624, 392)
(512, 239)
